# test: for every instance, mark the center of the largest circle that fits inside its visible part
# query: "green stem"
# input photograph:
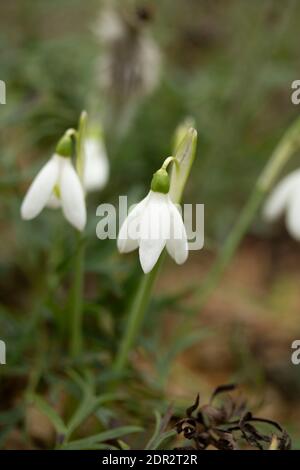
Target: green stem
(168, 161)
(77, 300)
(284, 150)
(184, 157)
(136, 315)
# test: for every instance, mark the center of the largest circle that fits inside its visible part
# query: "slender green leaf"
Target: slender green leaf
(162, 438)
(51, 414)
(88, 406)
(82, 444)
(91, 441)
(123, 445)
(156, 430)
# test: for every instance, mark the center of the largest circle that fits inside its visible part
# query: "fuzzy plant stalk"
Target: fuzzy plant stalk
(76, 323)
(76, 337)
(184, 154)
(287, 146)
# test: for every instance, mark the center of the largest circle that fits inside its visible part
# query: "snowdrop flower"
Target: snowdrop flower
(155, 223)
(286, 198)
(57, 184)
(96, 166)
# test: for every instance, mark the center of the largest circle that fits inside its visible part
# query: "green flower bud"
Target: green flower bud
(64, 147)
(160, 182)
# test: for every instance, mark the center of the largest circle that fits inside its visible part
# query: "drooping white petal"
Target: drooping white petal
(128, 238)
(96, 166)
(155, 230)
(72, 196)
(41, 188)
(293, 214)
(278, 199)
(177, 245)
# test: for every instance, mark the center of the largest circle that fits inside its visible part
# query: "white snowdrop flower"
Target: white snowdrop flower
(155, 223)
(286, 198)
(57, 185)
(96, 166)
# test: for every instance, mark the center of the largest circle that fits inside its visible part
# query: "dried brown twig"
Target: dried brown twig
(229, 426)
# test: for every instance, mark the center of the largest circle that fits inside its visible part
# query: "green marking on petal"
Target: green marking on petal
(56, 191)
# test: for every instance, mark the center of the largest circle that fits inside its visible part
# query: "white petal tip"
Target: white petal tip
(183, 259)
(78, 221)
(26, 217)
(146, 269)
(80, 225)
(121, 245)
(27, 213)
(147, 262)
(292, 224)
(268, 213)
(127, 245)
(294, 235)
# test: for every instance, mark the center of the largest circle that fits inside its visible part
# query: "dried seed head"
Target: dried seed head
(229, 426)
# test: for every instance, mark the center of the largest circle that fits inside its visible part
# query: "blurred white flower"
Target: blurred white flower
(57, 184)
(130, 61)
(154, 223)
(149, 63)
(96, 166)
(286, 198)
(108, 26)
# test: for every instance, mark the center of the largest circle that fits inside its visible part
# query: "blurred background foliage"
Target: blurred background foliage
(230, 66)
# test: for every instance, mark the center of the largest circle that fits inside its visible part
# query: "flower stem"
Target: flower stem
(77, 299)
(284, 150)
(136, 315)
(168, 161)
(184, 157)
